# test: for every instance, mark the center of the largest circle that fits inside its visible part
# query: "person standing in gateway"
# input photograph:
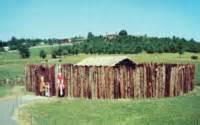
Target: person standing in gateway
(42, 86)
(60, 84)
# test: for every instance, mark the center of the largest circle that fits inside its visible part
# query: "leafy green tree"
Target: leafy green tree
(13, 45)
(137, 50)
(43, 54)
(2, 49)
(90, 36)
(3, 44)
(149, 49)
(24, 51)
(180, 48)
(53, 54)
(65, 52)
(123, 33)
(59, 51)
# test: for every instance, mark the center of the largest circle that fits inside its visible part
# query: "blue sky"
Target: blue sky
(67, 18)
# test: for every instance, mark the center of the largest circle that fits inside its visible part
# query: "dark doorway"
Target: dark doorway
(45, 75)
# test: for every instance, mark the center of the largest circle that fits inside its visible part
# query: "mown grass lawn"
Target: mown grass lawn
(183, 110)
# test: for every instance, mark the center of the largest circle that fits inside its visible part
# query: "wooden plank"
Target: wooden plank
(111, 74)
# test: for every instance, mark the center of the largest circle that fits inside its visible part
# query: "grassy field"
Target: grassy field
(183, 110)
(13, 91)
(12, 66)
(5, 90)
(171, 111)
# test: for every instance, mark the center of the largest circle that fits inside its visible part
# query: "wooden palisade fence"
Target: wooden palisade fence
(107, 82)
(32, 73)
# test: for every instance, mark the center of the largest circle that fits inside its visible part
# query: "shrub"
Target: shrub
(65, 52)
(43, 54)
(2, 49)
(123, 33)
(59, 51)
(194, 57)
(53, 55)
(137, 50)
(24, 51)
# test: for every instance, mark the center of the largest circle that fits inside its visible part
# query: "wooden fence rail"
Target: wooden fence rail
(12, 81)
(141, 81)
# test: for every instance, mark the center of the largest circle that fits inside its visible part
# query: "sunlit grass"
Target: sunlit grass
(183, 110)
(179, 110)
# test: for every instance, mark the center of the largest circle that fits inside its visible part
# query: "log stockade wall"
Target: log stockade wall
(106, 82)
(142, 81)
(32, 74)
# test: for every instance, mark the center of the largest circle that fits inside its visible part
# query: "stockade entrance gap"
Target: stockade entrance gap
(33, 74)
(113, 78)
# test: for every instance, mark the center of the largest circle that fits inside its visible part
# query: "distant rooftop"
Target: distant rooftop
(106, 61)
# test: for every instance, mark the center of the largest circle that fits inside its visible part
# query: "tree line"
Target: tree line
(123, 43)
(15, 43)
